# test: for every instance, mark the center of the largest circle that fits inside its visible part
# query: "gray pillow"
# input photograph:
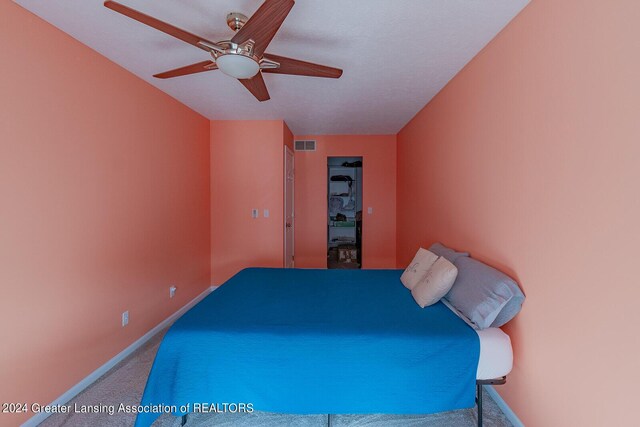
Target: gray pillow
(483, 294)
(451, 255)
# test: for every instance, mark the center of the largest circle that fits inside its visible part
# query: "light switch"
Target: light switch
(369, 210)
(266, 213)
(125, 318)
(254, 213)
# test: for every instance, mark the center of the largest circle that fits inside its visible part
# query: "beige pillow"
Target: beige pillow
(418, 268)
(436, 283)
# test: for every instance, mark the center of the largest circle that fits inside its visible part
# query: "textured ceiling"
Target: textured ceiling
(396, 55)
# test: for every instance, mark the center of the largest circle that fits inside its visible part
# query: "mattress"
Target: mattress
(496, 353)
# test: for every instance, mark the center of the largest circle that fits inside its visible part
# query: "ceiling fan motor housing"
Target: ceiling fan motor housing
(236, 20)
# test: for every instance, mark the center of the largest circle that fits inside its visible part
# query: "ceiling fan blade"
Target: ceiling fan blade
(257, 87)
(301, 68)
(157, 24)
(264, 24)
(189, 69)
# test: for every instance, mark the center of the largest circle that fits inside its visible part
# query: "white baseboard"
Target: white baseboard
(92, 377)
(506, 410)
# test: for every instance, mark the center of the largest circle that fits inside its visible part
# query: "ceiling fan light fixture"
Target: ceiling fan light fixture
(237, 66)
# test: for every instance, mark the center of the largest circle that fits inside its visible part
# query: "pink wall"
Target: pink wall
(287, 138)
(379, 192)
(103, 205)
(247, 172)
(529, 159)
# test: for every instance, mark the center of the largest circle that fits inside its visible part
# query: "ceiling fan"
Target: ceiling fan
(243, 57)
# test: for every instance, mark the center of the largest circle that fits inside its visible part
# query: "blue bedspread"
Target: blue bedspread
(316, 341)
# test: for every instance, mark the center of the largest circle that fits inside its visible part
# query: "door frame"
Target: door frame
(287, 151)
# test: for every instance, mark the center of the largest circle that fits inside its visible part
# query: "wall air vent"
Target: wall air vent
(305, 145)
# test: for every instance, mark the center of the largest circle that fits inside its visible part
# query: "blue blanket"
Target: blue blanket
(316, 341)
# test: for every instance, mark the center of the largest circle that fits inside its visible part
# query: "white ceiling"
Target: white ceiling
(396, 55)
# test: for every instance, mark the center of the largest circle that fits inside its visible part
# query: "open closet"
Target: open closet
(344, 216)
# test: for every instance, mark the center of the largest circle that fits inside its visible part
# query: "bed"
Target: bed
(323, 342)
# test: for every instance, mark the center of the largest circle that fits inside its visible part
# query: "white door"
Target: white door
(289, 259)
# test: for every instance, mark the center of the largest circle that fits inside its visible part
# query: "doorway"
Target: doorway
(289, 220)
(344, 212)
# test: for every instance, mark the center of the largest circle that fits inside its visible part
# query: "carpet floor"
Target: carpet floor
(125, 384)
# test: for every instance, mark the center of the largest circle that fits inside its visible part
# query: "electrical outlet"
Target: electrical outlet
(172, 291)
(266, 213)
(125, 318)
(254, 213)
(370, 210)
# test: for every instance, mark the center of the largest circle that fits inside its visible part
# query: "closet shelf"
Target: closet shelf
(343, 242)
(342, 224)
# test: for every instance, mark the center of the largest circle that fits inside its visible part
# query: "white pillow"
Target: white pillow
(418, 268)
(436, 283)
